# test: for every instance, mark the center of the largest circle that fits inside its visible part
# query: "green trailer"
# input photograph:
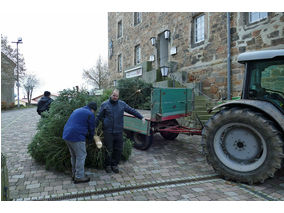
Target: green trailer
(167, 105)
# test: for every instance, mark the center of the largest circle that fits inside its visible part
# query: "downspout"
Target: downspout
(228, 57)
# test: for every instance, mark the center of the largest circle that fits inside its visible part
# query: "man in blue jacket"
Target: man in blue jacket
(111, 115)
(79, 127)
(44, 103)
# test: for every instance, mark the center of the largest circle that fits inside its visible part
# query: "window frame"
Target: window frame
(197, 29)
(192, 34)
(119, 63)
(250, 21)
(136, 62)
(110, 49)
(137, 19)
(119, 29)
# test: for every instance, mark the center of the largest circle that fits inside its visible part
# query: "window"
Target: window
(199, 29)
(137, 18)
(137, 54)
(119, 29)
(266, 81)
(254, 17)
(110, 46)
(119, 63)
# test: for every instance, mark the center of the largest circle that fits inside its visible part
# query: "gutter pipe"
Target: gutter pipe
(228, 57)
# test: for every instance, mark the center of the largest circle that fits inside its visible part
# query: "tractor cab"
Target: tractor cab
(264, 77)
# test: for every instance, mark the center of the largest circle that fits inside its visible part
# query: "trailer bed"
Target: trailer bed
(145, 113)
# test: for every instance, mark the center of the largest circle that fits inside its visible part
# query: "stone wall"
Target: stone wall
(204, 64)
(7, 80)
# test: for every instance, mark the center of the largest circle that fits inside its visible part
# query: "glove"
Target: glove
(143, 120)
(98, 141)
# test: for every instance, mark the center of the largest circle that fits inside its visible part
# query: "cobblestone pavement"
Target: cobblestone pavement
(169, 170)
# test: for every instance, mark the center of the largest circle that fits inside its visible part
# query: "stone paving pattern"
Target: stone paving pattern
(164, 161)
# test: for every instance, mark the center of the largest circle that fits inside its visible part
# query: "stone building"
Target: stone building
(7, 81)
(193, 45)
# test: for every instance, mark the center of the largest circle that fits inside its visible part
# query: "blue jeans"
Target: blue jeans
(78, 156)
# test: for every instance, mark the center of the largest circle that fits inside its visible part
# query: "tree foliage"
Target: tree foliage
(98, 75)
(135, 92)
(49, 148)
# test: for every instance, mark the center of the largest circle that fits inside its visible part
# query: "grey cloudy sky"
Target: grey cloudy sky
(57, 43)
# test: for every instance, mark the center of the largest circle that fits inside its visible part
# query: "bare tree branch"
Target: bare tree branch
(97, 75)
(30, 82)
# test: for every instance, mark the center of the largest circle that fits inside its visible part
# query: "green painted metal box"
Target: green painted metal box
(136, 125)
(171, 103)
(166, 104)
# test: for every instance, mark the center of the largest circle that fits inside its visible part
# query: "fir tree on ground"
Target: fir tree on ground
(48, 147)
(135, 92)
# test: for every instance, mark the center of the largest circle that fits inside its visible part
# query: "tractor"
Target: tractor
(244, 140)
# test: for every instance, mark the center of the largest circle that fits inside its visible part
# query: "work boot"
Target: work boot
(108, 169)
(82, 180)
(115, 169)
(73, 176)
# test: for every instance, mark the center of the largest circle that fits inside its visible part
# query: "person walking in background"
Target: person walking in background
(79, 128)
(44, 103)
(111, 114)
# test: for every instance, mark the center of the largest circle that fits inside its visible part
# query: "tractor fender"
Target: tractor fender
(264, 106)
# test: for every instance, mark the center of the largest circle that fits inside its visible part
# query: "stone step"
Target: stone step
(201, 112)
(200, 97)
(204, 117)
(201, 105)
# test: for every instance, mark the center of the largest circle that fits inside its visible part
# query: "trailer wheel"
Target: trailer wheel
(242, 145)
(141, 141)
(169, 135)
(128, 134)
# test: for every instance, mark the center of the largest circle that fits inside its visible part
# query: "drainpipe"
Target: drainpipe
(228, 57)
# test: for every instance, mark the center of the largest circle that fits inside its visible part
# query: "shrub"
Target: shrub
(3, 105)
(49, 148)
(6, 106)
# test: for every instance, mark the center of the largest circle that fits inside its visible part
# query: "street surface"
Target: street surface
(169, 170)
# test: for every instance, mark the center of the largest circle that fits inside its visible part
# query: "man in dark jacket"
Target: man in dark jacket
(79, 127)
(111, 115)
(44, 103)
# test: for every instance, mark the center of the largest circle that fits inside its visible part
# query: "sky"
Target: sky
(57, 45)
(61, 38)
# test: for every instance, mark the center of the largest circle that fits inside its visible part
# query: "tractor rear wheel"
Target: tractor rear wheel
(242, 145)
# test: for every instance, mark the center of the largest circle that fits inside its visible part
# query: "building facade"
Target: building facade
(7, 81)
(200, 49)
